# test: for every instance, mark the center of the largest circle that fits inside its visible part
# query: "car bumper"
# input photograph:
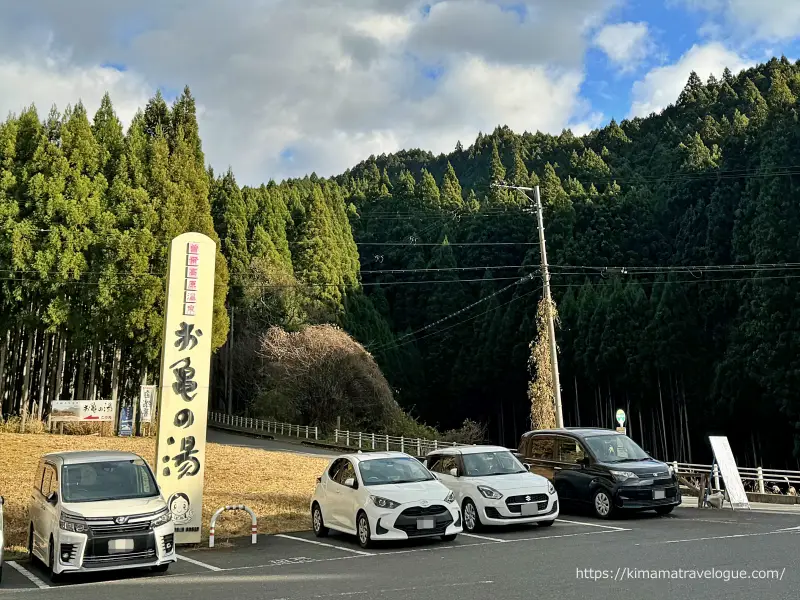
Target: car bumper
(402, 523)
(632, 497)
(508, 510)
(81, 553)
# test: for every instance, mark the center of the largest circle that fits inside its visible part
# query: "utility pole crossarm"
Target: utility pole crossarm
(551, 329)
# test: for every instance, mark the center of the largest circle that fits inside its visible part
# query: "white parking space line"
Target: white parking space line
(609, 527)
(720, 537)
(28, 575)
(483, 537)
(198, 563)
(316, 543)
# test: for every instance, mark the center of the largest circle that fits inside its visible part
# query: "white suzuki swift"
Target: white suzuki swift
(493, 487)
(383, 496)
(96, 511)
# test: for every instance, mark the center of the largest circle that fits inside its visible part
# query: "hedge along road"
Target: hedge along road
(576, 558)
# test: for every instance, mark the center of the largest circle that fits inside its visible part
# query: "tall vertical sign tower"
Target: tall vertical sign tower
(185, 371)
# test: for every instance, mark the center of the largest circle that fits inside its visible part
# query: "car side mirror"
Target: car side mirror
(350, 482)
(527, 466)
(454, 472)
(52, 498)
(584, 462)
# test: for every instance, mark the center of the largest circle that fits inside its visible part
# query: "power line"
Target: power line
(656, 269)
(431, 270)
(448, 244)
(468, 319)
(466, 308)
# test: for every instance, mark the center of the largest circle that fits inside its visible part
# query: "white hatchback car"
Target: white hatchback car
(97, 511)
(383, 496)
(493, 487)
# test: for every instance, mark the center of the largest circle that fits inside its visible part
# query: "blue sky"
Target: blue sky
(287, 87)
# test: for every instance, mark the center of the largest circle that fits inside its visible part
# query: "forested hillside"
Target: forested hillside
(672, 241)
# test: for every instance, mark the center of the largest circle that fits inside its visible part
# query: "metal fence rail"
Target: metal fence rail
(379, 441)
(260, 425)
(755, 477)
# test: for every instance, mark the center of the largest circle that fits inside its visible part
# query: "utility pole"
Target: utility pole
(551, 329)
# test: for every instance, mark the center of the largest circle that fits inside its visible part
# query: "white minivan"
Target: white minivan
(98, 511)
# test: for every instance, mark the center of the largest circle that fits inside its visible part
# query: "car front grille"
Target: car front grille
(514, 503)
(407, 520)
(425, 511)
(129, 558)
(120, 529)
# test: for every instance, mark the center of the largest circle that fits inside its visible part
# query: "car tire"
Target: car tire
(160, 568)
(317, 523)
(51, 562)
(545, 523)
(602, 504)
(470, 516)
(363, 532)
(664, 510)
(449, 538)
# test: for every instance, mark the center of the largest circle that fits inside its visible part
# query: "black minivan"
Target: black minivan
(602, 469)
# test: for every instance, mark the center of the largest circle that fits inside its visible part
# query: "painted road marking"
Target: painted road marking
(720, 537)
(483, 537)
(198, 563)
(28, 575)
(297, 539)
(611, 527)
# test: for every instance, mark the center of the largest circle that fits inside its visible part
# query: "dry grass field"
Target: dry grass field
(277, 486)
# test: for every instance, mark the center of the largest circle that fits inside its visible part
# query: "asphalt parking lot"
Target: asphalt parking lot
(577, 557)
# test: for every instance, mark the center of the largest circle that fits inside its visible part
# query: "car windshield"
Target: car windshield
(615, 448)
(386, 471)
(486, 464)
(110, 480)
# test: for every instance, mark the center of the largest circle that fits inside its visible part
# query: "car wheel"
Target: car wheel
(449, 538)
(51, 563)
(602, 505)
(362, 528)
(160, 568)
(545, 523)
(472, 520)
(664, 510)
(317, 522)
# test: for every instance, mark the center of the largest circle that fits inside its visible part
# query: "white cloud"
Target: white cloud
(47, 81)
(326, 82)
(662, 86)
(753, 20)
(625, 44)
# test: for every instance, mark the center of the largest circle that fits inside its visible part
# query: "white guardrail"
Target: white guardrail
(758, 479)
(287, 429)
(378, 441)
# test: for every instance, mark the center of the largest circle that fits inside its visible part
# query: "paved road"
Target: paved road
(519, 563)
(229, 439)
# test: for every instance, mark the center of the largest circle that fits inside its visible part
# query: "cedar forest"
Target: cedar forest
(672, 241)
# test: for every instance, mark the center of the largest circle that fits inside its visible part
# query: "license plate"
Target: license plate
(425, 524)
(530, 510)
(659, 494)
(117, 546)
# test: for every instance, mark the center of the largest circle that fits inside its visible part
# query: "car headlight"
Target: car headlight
(488, 492)
(72, 523)
(550, 489)
(384, 502)
(624, 475)
(162, 519)
(451, 497)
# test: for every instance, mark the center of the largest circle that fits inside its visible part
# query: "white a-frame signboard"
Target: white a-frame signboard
(729, 471)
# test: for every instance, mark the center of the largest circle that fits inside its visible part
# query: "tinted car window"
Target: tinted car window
(570, 451)
(542, 448)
